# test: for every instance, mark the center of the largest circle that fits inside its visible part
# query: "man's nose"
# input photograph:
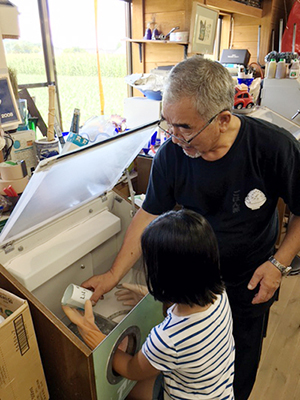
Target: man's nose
(175, 131)
(175, 139)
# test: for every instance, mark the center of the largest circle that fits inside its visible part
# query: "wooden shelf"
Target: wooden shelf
(142, 42)
(155, 41)
(235, 7)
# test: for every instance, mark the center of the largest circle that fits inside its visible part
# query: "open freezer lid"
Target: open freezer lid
(63, 183)
(272, 116)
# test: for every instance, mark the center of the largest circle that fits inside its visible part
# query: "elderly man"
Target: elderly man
(231, 169)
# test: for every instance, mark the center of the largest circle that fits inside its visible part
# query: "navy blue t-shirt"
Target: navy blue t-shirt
(237, 194)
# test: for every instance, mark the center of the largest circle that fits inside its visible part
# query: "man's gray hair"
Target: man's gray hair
(207, 83)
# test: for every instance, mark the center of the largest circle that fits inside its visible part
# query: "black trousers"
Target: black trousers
(249, 328)
(248, 335)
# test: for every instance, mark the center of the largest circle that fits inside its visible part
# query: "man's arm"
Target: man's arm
(126, 258)
(267, 275)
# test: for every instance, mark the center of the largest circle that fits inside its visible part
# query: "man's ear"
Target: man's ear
(224, 120)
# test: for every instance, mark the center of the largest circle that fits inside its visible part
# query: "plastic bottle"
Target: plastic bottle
(241, 72)
(155, 33)
(271, 69)
(75, 121)
(280, 69)
(148, 32)
(294, 70)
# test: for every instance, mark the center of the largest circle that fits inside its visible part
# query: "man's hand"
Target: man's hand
(269, 278)
(128, 255)
(100, 284)
(130, 294)
(86, 324)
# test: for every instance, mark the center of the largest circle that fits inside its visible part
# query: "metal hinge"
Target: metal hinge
(8, 247)
(103, 197)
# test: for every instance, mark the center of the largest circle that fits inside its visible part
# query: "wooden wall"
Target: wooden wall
(246, 29)
(167, 14)
(170, 13)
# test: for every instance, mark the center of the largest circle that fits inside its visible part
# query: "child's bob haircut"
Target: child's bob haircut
(181, 259)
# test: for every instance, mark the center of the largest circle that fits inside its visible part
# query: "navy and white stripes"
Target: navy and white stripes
(195, 353)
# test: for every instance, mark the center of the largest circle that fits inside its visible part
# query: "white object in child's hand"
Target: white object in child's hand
(76, 296)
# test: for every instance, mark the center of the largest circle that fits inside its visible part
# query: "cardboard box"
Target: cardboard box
(21, 372)
(140, 110)
(72, 369)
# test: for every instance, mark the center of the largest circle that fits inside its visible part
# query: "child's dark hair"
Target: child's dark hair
(181, 259)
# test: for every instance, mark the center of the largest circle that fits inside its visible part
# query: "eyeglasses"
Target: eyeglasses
(164, 126)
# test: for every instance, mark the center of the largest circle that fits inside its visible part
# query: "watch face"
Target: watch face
(287, 270)
(284, 270)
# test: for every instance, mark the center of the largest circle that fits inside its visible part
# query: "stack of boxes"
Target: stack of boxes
(21, 372)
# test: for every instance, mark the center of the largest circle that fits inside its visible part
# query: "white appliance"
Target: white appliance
(67, 226)
(283, 97)
(140, 111)
(276, 118)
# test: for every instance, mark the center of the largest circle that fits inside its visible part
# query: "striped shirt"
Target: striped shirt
(195, 353)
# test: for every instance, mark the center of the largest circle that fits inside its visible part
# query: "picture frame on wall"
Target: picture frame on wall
(203, 29)
(9, 111)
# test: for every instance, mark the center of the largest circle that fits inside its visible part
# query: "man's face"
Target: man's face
(185, 124)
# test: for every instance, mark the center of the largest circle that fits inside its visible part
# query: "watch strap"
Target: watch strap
(282, 268)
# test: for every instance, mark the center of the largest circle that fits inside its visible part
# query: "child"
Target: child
(193, 347)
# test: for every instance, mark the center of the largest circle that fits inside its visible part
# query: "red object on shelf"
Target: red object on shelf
(287, 38)
(243, 99)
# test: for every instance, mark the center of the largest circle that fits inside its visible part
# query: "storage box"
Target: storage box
(235, 56)
(139, 111)
(21, 372)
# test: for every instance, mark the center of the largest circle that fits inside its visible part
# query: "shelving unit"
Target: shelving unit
(142, 42)
(235, 7)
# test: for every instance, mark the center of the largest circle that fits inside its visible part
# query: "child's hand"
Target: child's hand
(130, 294)
(123, 345)
(86, 324)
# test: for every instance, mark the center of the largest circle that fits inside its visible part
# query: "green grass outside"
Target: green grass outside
(77, 83)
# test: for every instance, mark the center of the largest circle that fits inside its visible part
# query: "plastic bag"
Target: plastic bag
(98, 128)
(146, 81)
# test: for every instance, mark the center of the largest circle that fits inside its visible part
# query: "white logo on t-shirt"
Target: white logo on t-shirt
(255, 199)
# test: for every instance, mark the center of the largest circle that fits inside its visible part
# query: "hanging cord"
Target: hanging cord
(259, 67)
(102, 102)
(131, 192)
(285, 12)
(231, 31)
(8, 147)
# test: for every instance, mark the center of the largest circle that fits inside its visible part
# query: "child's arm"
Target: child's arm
(135, 368)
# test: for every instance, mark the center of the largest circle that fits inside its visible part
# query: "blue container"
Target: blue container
(151, 142)
(152, 95)
(246, 81)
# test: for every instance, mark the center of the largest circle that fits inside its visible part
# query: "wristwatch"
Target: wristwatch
(284, 270)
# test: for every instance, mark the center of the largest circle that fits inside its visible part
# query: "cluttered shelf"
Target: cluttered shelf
(155, 41)
(236, 7)
(142, 42)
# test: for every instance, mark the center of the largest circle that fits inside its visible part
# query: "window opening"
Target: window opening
(72, 27)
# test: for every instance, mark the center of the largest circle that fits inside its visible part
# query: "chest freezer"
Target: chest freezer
(274, 117)
(68, 225)
(282, 96)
